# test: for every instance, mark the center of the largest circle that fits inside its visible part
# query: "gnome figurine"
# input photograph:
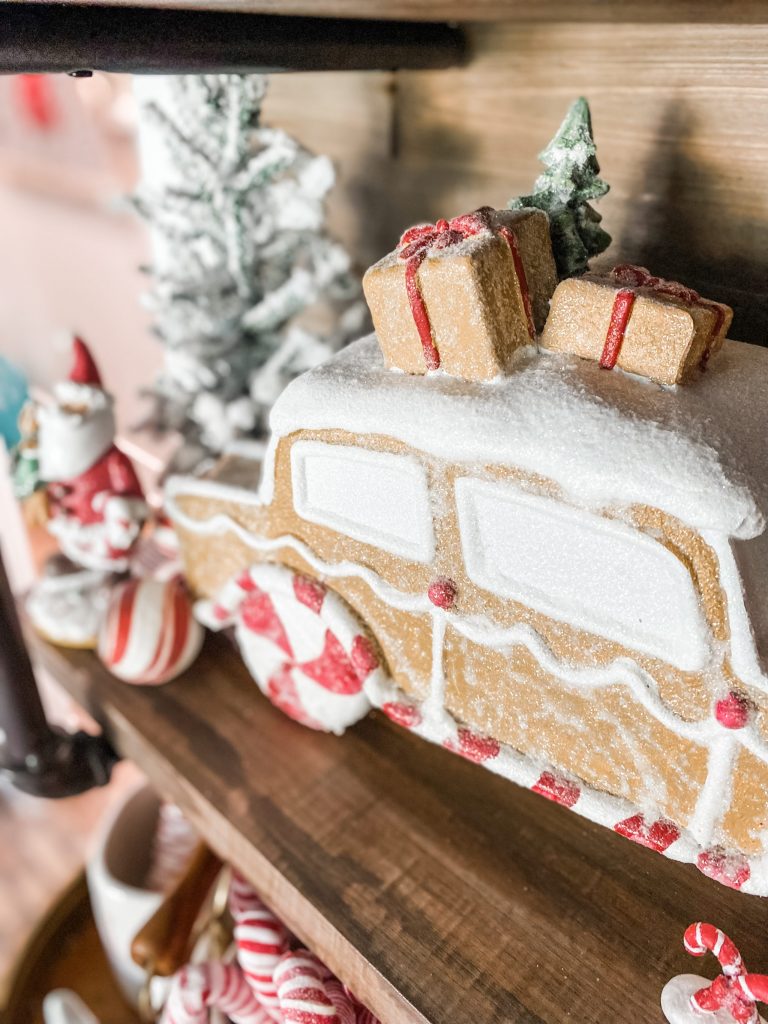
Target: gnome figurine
(94, 504)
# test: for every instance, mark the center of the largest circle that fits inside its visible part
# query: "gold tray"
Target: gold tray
(65, 952)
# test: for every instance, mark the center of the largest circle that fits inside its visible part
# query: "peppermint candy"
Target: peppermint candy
(149, 634)
(200, 987)
(305, 647)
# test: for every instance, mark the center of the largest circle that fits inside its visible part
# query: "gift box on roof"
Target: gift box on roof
(463, 295)
(640, 323)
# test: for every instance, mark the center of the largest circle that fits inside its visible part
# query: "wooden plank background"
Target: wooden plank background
(666, 11)
(680, 115)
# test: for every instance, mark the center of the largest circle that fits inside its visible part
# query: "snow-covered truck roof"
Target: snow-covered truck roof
(697, 452)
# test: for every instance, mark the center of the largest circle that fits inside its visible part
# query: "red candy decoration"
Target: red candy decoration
(732, 712)
(658, 835)
(363, 656)
(407, 715)
(557, 789)
(309, 592)
(473, 747)
(731, 869)
(734, 991)
(442, 592)
(259, 615)
(332, 670)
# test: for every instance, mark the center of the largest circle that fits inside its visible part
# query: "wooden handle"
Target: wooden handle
(162, 944)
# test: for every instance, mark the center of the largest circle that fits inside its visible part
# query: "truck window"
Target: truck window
(375, 497)
(582, 569)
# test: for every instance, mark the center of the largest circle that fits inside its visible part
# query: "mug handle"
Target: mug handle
(161, 947)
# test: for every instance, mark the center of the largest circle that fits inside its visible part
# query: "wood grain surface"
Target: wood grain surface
(435, 889)
(664, 11)
(680, 117)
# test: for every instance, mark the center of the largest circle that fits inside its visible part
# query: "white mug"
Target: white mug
(116, 872)
(63, 1007)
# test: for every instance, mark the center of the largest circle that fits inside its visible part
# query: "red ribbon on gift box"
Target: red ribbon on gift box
(418, 242)
(633, 277)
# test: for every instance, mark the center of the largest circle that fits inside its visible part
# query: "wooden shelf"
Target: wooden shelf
(435, 889)
(545, 11)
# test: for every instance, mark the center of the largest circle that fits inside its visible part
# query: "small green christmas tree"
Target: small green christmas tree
(564, 190)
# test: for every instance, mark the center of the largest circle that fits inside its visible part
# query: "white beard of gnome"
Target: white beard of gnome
(96, 503)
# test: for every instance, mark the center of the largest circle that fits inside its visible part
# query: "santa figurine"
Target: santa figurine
(94, 504)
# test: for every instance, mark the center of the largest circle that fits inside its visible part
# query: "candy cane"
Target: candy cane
(343, 1001)
(301, 988)
(754, 988)
(267, 984)
(734, 991)
(703, 938)
(261, 939)
(198, 988)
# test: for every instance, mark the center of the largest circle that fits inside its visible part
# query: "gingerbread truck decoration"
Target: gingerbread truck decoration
(547, 553)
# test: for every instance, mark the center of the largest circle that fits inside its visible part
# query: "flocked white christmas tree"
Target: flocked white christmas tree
(239, 251)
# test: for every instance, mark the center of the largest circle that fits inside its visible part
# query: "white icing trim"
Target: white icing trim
(221, 523)
(439, 727)
(177, 486)
(744, 660)
(604, 438)
(377, 498)
(246, 448)
(622, 671)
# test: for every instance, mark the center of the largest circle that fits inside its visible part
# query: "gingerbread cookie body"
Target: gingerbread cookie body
(560, 574)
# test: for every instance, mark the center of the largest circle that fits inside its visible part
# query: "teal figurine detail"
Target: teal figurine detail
(25, 465)
(564, 191)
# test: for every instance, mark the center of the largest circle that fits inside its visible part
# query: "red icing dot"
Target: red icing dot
(442, 592)
(730, 869)
(407, 715)
(364, 659)
(556, 788)
(473, 747)
(309, 592)
(658, 835)
(732, 712)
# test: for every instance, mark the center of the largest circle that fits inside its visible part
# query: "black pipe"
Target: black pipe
(46, 37)
(36, 758)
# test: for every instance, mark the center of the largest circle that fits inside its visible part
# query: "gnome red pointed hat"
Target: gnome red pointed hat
(84, 369)
(78, 427)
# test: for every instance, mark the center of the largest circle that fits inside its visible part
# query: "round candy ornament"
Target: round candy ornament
(149, 634)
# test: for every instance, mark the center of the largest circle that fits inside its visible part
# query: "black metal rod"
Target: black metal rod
(38, 759)
(24, 731)
(44, 37)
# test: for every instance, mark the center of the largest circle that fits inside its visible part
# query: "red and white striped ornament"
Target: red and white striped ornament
(303, 644)
(149, 634)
